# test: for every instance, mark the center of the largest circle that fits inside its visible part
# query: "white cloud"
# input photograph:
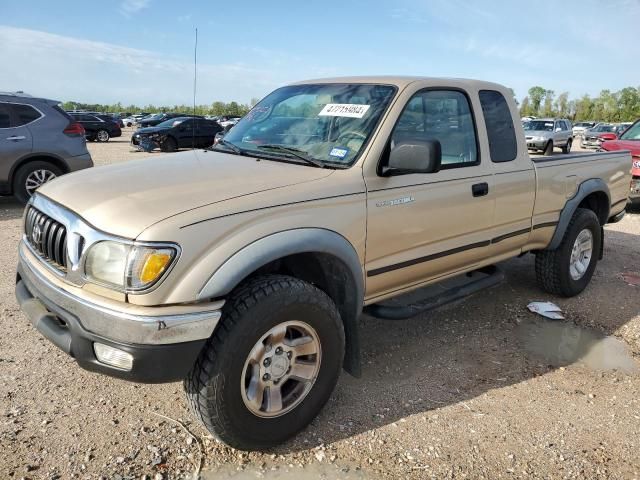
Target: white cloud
(129, 7)
(67, 68)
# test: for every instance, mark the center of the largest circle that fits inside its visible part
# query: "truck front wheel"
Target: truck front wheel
(568, 269)
(271, 364)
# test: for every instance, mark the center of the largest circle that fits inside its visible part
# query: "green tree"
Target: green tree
(525, 108)
(547, 109)
(629, 103)
(536, 94)
(584, 108)
(561, 105)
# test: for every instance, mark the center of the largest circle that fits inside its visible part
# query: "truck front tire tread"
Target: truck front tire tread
(242, 318)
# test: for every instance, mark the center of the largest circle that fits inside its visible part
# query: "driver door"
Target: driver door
(423, 226)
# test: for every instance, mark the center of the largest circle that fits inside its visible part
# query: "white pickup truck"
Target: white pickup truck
(243, 269)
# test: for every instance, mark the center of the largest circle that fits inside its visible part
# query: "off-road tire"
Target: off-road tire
(552, 266)
(548, 149)
(20, 177)
(567, 148)
(213, 387)
(169, 145)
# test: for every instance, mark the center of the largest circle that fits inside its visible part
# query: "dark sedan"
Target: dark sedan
(97, 127)
(157, 118)
(175, 133)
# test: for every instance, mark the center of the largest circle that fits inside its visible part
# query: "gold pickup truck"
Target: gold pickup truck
(243, 269)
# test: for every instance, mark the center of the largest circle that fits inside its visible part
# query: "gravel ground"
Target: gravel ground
(478, 389)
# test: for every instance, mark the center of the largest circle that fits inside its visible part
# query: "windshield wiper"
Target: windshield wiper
(296, 152)
(231, 146)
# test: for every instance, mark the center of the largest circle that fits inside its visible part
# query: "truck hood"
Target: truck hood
(632, 145)
(125, 199)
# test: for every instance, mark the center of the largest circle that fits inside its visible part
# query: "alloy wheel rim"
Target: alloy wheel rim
(103, 136)
(581, 254)
(281, 369)
(37, 178)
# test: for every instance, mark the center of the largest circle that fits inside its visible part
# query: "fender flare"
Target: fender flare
(279, 245)
(585, 189)
(290, 242)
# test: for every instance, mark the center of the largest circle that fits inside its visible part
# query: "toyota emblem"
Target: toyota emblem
(36, 235)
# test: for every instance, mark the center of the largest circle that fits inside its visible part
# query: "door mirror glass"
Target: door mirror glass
(414, 157)
(559, 129)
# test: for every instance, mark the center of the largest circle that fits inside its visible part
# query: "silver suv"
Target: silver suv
(38, 142)
(546, 133)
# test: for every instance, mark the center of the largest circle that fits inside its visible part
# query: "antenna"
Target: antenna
(195, 76)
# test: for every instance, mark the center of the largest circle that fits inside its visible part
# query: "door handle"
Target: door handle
(15, 137)
(480, 189)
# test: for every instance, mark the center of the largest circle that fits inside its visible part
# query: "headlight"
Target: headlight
(128, 267)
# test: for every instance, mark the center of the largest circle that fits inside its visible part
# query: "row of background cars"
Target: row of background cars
(166, 131)
(39, 140)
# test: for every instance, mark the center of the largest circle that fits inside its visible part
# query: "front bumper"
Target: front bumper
(164, 347)
(590, 143)
(536, 144)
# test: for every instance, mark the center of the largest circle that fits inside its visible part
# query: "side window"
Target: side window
(442, 115)
(503, 146)
(24, 114)
(4, 116)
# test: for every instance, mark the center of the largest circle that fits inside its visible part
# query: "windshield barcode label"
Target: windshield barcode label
(352, 110)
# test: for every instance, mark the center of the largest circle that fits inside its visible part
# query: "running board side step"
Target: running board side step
(490, 277)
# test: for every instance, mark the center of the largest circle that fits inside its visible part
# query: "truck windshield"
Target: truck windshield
(539, 125)
(327, 123)
(632, 133)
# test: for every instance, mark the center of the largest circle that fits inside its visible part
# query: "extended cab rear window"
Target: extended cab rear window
(497, 117)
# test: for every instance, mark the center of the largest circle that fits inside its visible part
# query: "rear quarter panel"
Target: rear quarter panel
(559, 177)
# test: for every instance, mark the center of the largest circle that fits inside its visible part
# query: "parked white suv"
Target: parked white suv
(580, 127)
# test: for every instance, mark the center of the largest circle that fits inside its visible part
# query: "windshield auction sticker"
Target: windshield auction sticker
(352, 110)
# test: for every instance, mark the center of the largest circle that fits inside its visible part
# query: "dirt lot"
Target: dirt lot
(478, 389)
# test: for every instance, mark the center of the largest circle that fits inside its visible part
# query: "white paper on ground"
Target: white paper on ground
(546, 309)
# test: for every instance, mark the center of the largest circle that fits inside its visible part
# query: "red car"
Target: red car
(629, 140)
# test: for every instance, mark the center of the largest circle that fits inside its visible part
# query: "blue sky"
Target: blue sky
(141, 51)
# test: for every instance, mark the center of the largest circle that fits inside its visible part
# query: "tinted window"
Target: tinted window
(497, 116)
(632, 133)
(4, 116)
(24, 114)
(441, 115)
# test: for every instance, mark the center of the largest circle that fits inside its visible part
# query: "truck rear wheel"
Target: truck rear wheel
(567, 270)
(271, 364)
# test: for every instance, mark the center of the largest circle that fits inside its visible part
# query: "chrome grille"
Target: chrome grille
(48, 238)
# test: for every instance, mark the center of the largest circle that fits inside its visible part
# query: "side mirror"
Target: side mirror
(415, 157)
(558, 129)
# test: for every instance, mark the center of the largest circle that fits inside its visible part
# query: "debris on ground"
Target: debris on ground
(546, 309)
